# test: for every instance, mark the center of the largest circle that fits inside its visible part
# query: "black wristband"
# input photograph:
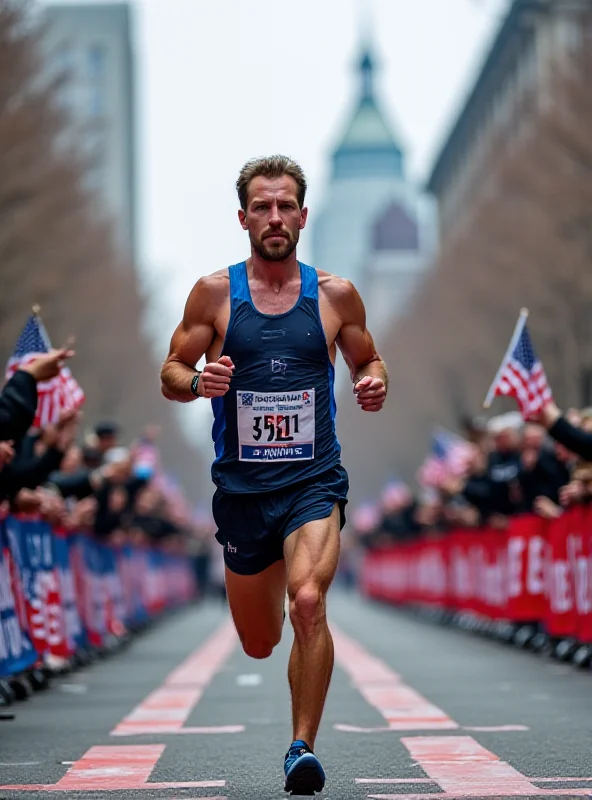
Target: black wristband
(195, 384)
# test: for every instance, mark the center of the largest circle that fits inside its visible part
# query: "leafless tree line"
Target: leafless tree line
(58, 250)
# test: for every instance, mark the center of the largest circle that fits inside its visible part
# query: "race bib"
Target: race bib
(277, 426)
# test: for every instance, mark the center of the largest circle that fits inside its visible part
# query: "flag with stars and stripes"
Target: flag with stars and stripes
(449, 457)
(521, 374)
(61, 393)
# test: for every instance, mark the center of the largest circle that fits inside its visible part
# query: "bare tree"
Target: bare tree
(58, 249)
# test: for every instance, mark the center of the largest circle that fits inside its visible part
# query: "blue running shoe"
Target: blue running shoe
(304, 773)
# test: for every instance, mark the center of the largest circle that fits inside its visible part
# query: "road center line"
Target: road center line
(401, 706)
(167, 708)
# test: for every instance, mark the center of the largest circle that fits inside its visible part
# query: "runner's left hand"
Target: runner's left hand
(371, 393)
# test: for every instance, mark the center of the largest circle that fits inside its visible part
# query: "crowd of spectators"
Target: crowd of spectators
(511, 468)
(87, 480)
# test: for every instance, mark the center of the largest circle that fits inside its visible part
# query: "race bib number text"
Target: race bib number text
(277, 426)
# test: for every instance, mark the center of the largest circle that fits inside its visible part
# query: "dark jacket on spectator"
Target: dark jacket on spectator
(26, 470)
(156, 528)
(108, 520)
(76, 484)
(503, 470)
(575, 439)
(18, 403)
(545, 480)
(478, 491)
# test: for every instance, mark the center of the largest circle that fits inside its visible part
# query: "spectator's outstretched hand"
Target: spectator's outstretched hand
(6, 453)
(47, 366)
(573, 492)
(546, 508)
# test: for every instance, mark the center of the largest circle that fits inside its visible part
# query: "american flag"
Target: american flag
(61, 393)
(521, 374)
(395, 493)
(366, 518)
(449, 457)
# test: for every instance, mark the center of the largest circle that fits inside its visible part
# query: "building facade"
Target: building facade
(375, 228)
(515, 80)
(91, 46)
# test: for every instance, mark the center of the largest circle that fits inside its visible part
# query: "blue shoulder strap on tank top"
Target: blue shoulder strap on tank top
(310, 282)
(239, 284)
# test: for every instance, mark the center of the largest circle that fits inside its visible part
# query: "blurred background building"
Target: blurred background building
(376, 227)
(91, 45)
(515, 80)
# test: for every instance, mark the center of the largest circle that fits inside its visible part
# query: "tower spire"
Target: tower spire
(367, 75)
(367, 63)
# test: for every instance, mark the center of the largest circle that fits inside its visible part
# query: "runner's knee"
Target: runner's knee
(258, 648)
(307, 606)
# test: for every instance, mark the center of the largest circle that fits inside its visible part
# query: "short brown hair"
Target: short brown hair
(270, 167)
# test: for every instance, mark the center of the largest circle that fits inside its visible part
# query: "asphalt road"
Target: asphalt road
(414, 711)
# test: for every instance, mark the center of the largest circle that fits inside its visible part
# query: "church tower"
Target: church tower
(376, 227)
(368, 148)
(368, 170)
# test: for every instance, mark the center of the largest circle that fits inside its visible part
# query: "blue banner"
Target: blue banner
(16, 649)
(31, 546)
(74, 632)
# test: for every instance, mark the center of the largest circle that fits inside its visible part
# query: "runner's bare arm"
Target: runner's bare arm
(367, 369)
(191, 340)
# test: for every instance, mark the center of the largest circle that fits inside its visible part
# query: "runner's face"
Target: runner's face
(273, 217)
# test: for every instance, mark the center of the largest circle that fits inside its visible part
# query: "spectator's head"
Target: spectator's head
(476, 430)
(395, 497)
(533, 437)
(91, 457)
(478, 462)
(430, 508)
(586, 417)
(120, 461)
(72, 460)
(147, 501)
(106, 434)
(505, 432)
(151, 433)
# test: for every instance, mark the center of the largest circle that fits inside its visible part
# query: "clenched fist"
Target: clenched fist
(370, 393)
(214, 381)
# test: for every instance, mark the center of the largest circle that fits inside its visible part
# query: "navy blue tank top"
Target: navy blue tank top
(276, 424)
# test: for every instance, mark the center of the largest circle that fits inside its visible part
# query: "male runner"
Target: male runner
(269, 328)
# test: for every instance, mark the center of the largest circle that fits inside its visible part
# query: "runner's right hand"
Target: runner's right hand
(214, 381)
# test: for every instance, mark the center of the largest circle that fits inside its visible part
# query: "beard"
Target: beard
(278, 251)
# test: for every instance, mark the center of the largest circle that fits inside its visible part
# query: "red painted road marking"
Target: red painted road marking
(411, 781)
(104, 767)
(445, 796)
(167, 708)
(113, 768)
(389, 781)
(461, 766)
(402, 707)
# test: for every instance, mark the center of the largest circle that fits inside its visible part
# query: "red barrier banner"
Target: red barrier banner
(526, 543)
(536, 571)
(561, 612)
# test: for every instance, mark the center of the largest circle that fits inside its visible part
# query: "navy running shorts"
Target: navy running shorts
(252, 527)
